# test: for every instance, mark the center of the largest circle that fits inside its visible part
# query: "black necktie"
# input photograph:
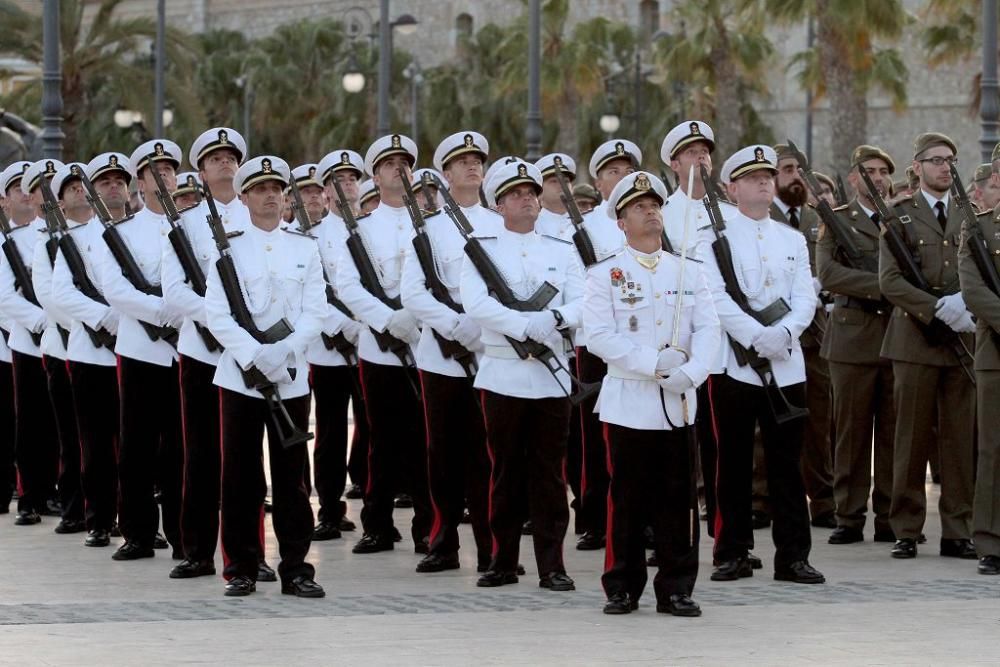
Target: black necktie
(875, 218)
(793, 217)
(942, 218)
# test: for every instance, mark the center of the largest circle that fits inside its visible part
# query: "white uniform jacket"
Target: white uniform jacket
(25, 317)
(628, 314)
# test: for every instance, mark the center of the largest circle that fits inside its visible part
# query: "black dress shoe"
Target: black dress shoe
(325, 531)
(160, 542)
(904, 548)
(240, 586)
(403, 501)
(485, 567)
(68, 526)
(370, 543)
(423, 546)
(132, 551)
(959, 549)
(846, 535)
(731, 570)
(528, 528)
(438, 563)
(265, 572)
(755, 562)
(346, 525)
(354, 492)
(884, 536)
(52, 508)
(759, 519)
(679, 605)
(492, 578)
(27, 518)
(800, 572)
(590, 541)
(989, 565)
(303, 586)
(557, 581)
(97, 538)
(921, 539)
(189, 569)
(825, 521)
(620, 603)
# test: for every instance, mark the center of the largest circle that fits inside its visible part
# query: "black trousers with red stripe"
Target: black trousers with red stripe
(594, 480)
(334, 387)
(707, 447)
(7, 434)
(36, 442)
(95, 400)
(527, 445)
(61, 398)
(150, 454)
(202, 459)
(458, 465)
(243, 420)
(398, 455)
(738, 407)
(652, 484)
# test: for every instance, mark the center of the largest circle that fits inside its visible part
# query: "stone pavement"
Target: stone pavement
(64, 604)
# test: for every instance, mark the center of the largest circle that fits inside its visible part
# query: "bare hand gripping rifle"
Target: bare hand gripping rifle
(289, 434)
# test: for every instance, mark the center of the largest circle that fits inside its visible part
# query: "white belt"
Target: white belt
(500, 352)
(622, 374)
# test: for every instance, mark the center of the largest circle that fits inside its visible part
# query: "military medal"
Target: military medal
(616, 277)
(631, 290)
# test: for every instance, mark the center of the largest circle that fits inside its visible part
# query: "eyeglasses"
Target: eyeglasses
(937, 160)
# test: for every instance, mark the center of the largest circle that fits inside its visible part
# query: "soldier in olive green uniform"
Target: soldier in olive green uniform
(984, 189)
(985, 304)
(860, 378)
(931, 390)
(790, 207)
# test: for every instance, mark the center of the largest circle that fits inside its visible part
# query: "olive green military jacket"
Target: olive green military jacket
(857, 325)
(979, 298)
(938, 254)
(809, 224)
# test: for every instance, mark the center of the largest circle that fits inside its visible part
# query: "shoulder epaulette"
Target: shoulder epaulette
(362, 216)
(492, 210)
(484, 238)
(233, 235)
(688, 257)
(843, 207)
(556, 238)
(298, 232)
(601, 261)
(430, 214)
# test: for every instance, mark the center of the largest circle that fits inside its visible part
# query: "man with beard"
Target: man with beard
(935, 401)
(861, 380)
(790, 208)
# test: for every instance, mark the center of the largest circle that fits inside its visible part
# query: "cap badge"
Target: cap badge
(557, 161)
(758, 154)
(75, 170)
(113, 161)
(223, 137)
(266, 165)
(522, 170)
(158, 149)
(694, 127)
(396, 143)
(49, 167)
(191, 183)
(468, 141)
(345, 158)
(619, 148)
(642, 183)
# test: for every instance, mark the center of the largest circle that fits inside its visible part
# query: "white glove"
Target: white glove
(669, 359)
(279, 376)
(274, 357)
(352, 331)
(781, 355)
(771, 342)
(109, 322)
(403, 325)
(677, 382)
(466, 332)
(541, 325)
(950, 308)
(169, 317)
(963, 324)
(40, 323)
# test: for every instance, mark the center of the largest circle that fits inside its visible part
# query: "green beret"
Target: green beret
(823, 178)
(785, 151)
(982, 172)
(865, 152)
(930, 140)
(587, 191)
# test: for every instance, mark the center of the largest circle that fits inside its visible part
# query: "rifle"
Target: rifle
(936, 333)
(841, 190)
(450, 349)
(369, 280)
(975, 241)
(126, 262)
(581, 239)
(55, 225)
(288, 433)
(22, 276)
(501, 291)
(781, 408)
(338, 341)
(425, 181)
(185, 252)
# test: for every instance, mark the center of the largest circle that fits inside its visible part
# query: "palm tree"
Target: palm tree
(846, 63)
(952, 34)
(102, 67)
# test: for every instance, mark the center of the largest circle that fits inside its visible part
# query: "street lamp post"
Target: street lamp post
(407, 25)
(52, 103)
(416, 77)
(161, 62)
(989, 105)
(533, 126)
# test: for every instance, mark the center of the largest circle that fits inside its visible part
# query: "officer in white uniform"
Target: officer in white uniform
(526, 408)
(554, 219)
(368, 196)
(280, 276)
(649, 315)
(53, 347)
(348, 168)
(217, 153)
(150, 451)
(398, 457)
(771, 262)
(609, 164)
(458, 463)
(90, 352)
(36, 446)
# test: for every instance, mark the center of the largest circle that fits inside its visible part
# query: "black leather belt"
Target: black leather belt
(867, 305)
